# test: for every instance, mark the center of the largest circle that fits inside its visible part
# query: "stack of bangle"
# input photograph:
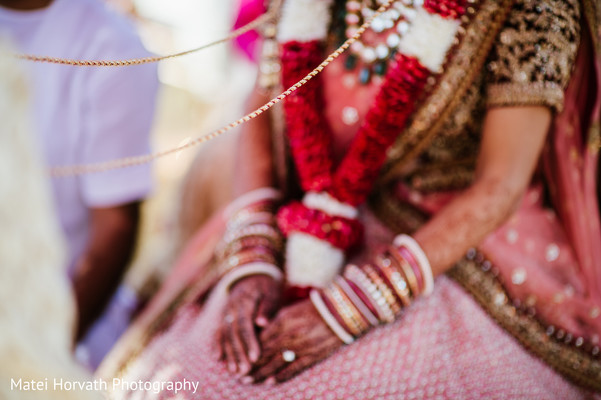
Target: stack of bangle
(252, 243)
(376, 292)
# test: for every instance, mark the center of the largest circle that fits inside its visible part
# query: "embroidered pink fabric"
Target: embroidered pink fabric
(445, 347)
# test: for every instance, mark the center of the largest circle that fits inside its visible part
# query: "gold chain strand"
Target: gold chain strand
(260, 20)
(81, 169)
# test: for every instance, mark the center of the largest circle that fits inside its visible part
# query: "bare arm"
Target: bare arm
(254, 160)
(99, 271)
(255, 299)
(512, 142)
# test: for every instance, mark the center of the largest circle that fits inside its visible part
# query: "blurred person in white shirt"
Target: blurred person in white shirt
(85, 115)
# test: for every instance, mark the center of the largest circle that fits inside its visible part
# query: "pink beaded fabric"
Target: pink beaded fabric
(444, 347)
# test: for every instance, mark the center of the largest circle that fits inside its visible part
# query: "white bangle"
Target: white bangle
(254, 268)
(424, 265)
(357, 302)
(329, 319)
(248, 198)
(243, 219)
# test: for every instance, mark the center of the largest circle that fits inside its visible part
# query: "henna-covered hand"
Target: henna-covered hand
(300, 331)
(251, 304)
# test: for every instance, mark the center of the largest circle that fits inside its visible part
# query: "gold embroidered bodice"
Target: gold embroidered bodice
(530, 64)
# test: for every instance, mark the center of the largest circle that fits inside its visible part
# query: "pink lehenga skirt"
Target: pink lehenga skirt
(443, 347)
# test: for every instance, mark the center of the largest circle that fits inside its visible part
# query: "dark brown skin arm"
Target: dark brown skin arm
(512, 142)
(99, 271)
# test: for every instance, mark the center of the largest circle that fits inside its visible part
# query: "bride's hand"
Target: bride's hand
(296, 339)
(251, 304)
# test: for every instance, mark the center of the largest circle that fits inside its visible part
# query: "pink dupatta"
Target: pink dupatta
(551, 261)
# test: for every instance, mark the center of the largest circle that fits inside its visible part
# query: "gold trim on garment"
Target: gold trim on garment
(477, 276)
(515, 94)
(574, 363)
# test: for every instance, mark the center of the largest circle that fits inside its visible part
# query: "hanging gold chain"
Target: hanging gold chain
(71, 170)
(260, 20)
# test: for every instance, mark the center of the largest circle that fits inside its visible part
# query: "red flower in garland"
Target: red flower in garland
(340, 232)
(393, 105)
(307, 130)
(446, 8)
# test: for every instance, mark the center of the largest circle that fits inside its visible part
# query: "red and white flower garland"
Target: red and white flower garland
(325, 225)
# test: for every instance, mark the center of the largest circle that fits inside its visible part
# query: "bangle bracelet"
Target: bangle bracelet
(361, 280)
(413, 264)
(357, 302)
(328, 318)
(389, 297)
(363, 323)
(396, 279)
(337, 309)
(407, 270)
(363, 297)
(255, 268)
(250, 257)
(246, 243)
(247, 218)
(263, 230)
(345, 309)
(415, 249)
(254, 196)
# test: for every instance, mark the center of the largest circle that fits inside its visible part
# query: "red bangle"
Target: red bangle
(394, 277)
(332, 309)
(406, 254)
(362, 296)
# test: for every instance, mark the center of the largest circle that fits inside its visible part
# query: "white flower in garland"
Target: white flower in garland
(304, 20)
(311, 261)
(429, 38)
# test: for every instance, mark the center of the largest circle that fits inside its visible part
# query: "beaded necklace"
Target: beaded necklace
(324, 225)
(389, 27)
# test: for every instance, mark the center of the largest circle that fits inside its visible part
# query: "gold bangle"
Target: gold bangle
(351, 326)
(360, 279)
(406, 269)
(389, 297)
(248, 242)
(344, 308)
(396, 279)
(246, 257)
(355, 313)
(262, 230)
(241, 217)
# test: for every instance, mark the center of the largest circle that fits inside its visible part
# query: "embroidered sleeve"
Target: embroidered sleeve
(534, 54)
